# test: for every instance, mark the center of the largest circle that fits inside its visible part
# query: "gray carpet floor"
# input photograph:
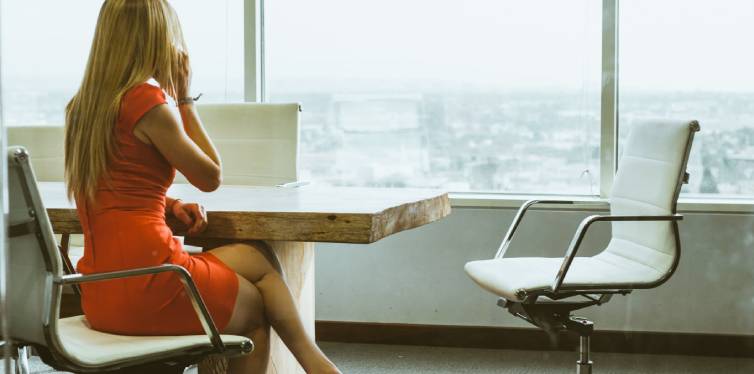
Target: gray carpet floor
(369, 359)
(374, 359)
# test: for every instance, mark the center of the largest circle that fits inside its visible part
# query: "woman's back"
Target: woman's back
(133, 192)
(139, 175)
(124, 228)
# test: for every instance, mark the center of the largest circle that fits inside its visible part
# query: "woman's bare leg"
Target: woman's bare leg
(249, 319)
(249, 261)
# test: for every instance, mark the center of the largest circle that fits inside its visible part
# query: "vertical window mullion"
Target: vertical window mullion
(253, 50)
(609, 103)
(6, 350)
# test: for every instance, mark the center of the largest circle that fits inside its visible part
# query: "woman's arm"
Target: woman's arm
(195, 130)
(162, 128)
(182, 140)
(189, 116)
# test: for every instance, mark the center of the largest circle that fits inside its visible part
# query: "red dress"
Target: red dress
(124, 228)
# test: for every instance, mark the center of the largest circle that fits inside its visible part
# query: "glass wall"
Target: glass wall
(47, 53)
(5, 348)
(479, 95)
(693, 59)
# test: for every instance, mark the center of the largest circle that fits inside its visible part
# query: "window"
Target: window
(44, 55)
(214, 35)
(473, 96)
(693, 59)
(479, 95)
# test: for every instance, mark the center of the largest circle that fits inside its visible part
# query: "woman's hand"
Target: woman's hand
(192, 214)
(182, 77)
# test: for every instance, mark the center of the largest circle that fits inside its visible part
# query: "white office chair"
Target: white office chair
(36, 278)
(643, 252)
(258, 143)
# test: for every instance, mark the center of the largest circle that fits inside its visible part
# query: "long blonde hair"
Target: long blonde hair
(134, 41)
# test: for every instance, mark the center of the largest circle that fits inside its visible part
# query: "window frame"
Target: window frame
(609, 96)
(253, 42)
(255, 91)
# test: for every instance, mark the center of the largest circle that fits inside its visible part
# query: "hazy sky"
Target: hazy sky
(668, 44)
(687, 44)
(50, 39)
(488, 43)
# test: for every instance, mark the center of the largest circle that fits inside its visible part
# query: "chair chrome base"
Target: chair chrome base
(556, 316)
(584, 328)
(22, 361)
(583, 368)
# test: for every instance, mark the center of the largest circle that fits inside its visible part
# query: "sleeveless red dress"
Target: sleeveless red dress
(124, 228)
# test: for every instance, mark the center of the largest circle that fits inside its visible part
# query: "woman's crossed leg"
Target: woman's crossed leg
(264, 300)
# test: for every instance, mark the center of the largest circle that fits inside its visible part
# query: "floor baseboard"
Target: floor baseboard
(535, 339)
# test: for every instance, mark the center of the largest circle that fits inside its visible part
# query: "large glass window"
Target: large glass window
(47, 44)
(692, 59)
(478, 95)
(214, 34)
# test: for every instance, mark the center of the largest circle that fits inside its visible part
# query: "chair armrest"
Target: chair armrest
(578, 237)
(517, 221)
(196, 299)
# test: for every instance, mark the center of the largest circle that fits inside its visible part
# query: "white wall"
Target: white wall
(417, 276)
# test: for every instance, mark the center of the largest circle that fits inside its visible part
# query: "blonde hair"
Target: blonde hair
(134, 41)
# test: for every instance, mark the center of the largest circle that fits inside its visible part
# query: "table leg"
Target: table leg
(297, 262)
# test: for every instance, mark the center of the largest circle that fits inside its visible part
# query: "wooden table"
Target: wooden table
(290, 220)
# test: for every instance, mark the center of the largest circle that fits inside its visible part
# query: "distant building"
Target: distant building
(383, 141)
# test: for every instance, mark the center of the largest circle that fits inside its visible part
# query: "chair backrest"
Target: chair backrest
(46, 144)
(650, 174)
(258, 143)
(33, 300)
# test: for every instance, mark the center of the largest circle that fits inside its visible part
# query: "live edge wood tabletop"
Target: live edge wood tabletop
(290, 220)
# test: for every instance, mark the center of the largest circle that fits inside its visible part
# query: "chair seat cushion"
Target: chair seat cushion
(505, 277)
(93, 348)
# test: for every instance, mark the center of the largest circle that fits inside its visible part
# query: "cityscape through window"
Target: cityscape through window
(479, 95)
(473, 96)
(45, 56)
(691, 60)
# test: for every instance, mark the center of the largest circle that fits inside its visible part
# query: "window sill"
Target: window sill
(593, 203)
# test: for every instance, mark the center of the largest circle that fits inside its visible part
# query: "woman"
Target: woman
(123, 145)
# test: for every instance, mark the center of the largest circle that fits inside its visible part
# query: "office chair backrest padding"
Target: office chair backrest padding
(258, 142)
(46, 144)
(33, 256)
(647, 182)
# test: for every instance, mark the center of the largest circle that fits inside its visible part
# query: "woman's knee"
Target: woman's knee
(253, 260)
(264, 259)
(265, 250)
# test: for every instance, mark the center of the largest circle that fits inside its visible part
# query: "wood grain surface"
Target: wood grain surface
(306, 214)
